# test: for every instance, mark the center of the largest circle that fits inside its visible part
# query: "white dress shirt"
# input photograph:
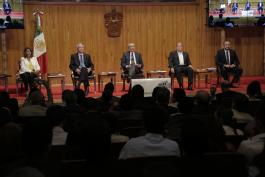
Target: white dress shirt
(58, 136)
(242, 117)
(230, 131)
(252, 146)
(149, 145)
(32, 110)
(132, 54)
(25, 65)
(181, 58)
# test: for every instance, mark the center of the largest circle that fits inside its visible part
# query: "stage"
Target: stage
(57, 92)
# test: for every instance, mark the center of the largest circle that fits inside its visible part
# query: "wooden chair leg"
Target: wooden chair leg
(123, 84)
(95, 85)
(172, 83)
(17, 89)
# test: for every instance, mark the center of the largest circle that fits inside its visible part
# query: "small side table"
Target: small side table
(102, 75)
(4, 78)
(198, 73)
(156, 74)
(53, 76)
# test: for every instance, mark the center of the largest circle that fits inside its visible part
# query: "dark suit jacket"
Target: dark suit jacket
(260, 5)
(247, 6)
(173, 59)
(6, 6)
(74, 63)
(125, 60)
(221, 60)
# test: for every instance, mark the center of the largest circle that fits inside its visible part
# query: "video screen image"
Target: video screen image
(11, 14)
(233, 13)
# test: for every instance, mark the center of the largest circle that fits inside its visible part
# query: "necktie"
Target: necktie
(227, 57)
(82, 61)
(132, 59)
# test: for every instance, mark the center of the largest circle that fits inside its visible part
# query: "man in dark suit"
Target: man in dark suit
(132, 63)
(248, 5)
(260, 7)
(179, 63)
(234, 7)
(7, 7)
(227, 61)
(82, 66)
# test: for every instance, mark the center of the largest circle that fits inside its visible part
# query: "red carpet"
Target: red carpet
(56, 89)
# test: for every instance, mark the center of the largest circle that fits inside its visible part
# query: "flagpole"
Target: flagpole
(4, 51)
(39, 45)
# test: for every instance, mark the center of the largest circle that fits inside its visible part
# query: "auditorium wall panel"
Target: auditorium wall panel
(154, 29)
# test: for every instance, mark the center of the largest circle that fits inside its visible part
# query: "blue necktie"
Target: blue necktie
(82, 64)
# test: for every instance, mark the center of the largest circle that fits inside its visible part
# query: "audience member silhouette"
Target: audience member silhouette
(152, 143)
(254, 90)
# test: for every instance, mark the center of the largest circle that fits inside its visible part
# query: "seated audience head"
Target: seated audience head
(155, 118)
(68, 97)
(227, 20)
(162, 96)
(125, 102)
(211, 18)
(109, 86)
(202, 98)
(36, 97)
(154, 93)
(178, 94)
(55, 115)
(254, 89)
(6, 116)
(80, 95)
(225, 116)
(137, 92)
(225, 85)
(106, 95)
(241, 103)
(4, 99)
(9, 19)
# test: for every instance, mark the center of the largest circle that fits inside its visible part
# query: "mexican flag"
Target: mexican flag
(39, 46)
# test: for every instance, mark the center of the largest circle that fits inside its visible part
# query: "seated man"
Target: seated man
(248, 5)
(227, 61)
(179, 63)
(7, 7)
(82, 66)
(132, 63)
(234, 7)
(260, 7)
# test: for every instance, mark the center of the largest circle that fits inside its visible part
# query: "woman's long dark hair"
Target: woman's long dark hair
(25, 50)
